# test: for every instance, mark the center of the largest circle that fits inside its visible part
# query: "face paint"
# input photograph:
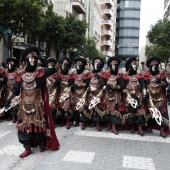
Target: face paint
(134, 66)
(9, 66)
(113, 67)
(153, 68)
(32, 60)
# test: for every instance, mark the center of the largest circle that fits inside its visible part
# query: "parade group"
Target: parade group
(40, 93)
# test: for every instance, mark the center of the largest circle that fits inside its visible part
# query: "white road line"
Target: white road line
(4, 133)
(136, 162)
(79, 156)
(124, 136)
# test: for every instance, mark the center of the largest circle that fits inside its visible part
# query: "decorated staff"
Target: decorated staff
(81, 82)
(96, 88)
(135, 97)
(156, 82)
(63, 82)
(34, 124)
(113, 97)
(11, 74)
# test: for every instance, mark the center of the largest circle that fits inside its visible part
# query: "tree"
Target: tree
(74, 38)
(159, 36)
(18, 17)
(160, 33)
(89, 50)
(150, 51)
(51, 31)
(162, 52)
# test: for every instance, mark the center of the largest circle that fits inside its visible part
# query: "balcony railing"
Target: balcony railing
(107, 53)
(78, 6)
(108, 11)
(108, 2)
(107, 22)
(109, 43)
(106, 32)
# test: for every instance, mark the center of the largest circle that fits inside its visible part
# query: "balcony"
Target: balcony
(107, 53)
(108, 2)
(78, 6)
(108, 12)
(106, 32)
(108, 43)
(107, 22)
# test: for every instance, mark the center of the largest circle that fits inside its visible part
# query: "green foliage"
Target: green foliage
(52, 28)
(160, 33)
(75, 33)
(89, 50)
(19, 15)
(159, 36)
(150, 51)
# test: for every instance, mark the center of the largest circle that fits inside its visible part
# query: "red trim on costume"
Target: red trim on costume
(68, 76)
(51, 142)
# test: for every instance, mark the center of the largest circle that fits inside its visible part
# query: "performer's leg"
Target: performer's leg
(76, 118)
(96, 118)
(25, 139)
(68, 117)
(114, 129)
(162, 133)
(108, 126)
(140, 131)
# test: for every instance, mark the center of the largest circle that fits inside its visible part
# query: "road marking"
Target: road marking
(79, 156)
(10, 124)
(4, 133)
(14, 150)
(138, 162)
(124, 136)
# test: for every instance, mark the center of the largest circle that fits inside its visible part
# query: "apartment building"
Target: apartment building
(127, 28)
(167, 9)
(93, 18)
(108, 26)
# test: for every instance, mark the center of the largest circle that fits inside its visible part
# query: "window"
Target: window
(128, 32)
(129, 23)
(126, 51)
(128, 41)
(130, 14)
(131, 4)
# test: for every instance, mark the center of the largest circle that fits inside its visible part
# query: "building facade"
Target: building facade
(167, 9)
(127, 28)
(108, 26)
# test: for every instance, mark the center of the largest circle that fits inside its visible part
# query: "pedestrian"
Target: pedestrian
(35, 126)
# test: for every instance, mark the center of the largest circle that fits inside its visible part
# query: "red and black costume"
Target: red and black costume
(34, 117)
(97, 82)
(79, 88)
(113, 97)
(63, 82)
(135, 96)
(3, 81)
(156, 86)
(11, 74)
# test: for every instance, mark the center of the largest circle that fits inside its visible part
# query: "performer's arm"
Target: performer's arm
(50, 71)
(3, 78)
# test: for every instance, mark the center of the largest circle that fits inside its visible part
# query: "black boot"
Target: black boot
(98, 126)
(114, 129)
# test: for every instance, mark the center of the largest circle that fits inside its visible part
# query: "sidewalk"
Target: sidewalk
(87, 150)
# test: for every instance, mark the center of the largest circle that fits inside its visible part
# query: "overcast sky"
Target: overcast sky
(151, 12)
